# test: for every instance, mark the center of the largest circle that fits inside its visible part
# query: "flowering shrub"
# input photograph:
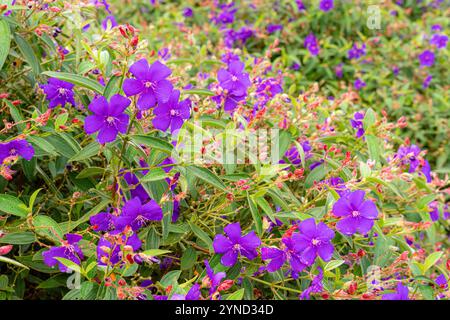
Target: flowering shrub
(172, 150)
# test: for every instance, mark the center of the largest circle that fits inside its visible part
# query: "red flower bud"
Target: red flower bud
(5, 249)
(225, 285)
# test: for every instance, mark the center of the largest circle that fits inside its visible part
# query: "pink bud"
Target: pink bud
(5, 249)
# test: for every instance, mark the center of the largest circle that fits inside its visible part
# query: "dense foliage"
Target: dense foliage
(224, 150)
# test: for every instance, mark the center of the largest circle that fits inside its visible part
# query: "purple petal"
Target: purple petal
(107, 134)
(132, 87)
(368, 210)
(159, 71)
(325, 251)
(347, 226)
(140, 69)
(229, 259)
(221, 244)
(93, 123)
(233, 232)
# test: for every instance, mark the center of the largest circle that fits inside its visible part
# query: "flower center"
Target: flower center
(12, 152)
(355, 213)
(148, 84)
(315, 242)
(237, 246)
(234, 78)
(110, 119)
(174, 113)
(62, 91)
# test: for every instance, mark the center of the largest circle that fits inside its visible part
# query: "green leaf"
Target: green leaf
(112, 87)
(202, 235)
(207, 176)
(238, 295)
(11, 261)
(200, 92)
(47, 227)
(333, 264)
(13, 205)
(155, 252)
(374, 145)
(316, 175)
(69, 264)
(431, 260)
(77, 80)
(255, 215)
(33, 199)
(264, 205)
(28, 53)
(18, 238)
(89, 172)
(154, 175)
(5, 41)
(43, 144)
(87, 152)
(188, 259)
(423, 202)
(152, 142)
(170, 278)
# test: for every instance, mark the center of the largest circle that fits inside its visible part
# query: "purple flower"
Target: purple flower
(358, 215)
(410, 156)
(359, 84)
(136, 215)
(441, 281)
(235, 244)
(112, 22)
(357, 123)
(313, 240)
(109, 250)
(439, 40)
(326, 5)
(311, 44)
(234, 79)
(193, 294)
(278, 257)
(214, 278)
(293, 155)
(401, 294)
(315, 287)
(300, 5)
(136, 189)
(434, 210)
(69, 250)
(108, 118)
(427, 81)
(58, 92)
(271, 28)
(426, 58)
(102, 221)
(188, 12)
(172, 113)
(225, 15)
(339, 71)
(355, 52)
(150, 83)
(15, 148)
(338, 184)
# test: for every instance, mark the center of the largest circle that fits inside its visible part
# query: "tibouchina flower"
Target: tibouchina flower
(108, 118)
(69, 250)
(235, 244)
(136, 215)
(150, 83)
(313, 240)
(58, 92)
(357, 215)
(400, 294)
(16, 148)
(172, 113)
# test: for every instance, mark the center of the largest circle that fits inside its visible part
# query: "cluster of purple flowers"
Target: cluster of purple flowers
(312, 44)
(68, 250)
(225, 14)
(293, 155)
(234, 82)
(410, 156)
(357, 52)
(357, 123)
(302, 248)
